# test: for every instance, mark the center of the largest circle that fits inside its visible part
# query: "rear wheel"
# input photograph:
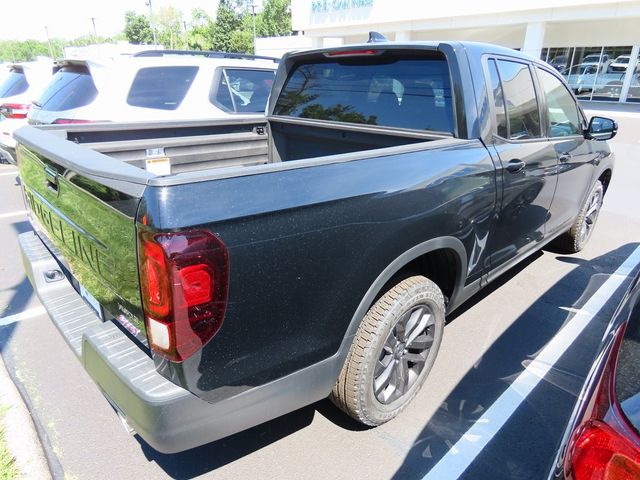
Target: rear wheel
(580, 232)
(392, 352)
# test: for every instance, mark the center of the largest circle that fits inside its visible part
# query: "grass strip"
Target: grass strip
(8, 469)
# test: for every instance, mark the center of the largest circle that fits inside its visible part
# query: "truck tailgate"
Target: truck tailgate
(83, 208)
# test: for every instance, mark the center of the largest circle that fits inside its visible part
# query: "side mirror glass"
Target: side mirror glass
(601, 128)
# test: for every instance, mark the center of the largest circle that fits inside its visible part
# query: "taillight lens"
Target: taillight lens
(15, 110)
(601, 453)
(184, 280)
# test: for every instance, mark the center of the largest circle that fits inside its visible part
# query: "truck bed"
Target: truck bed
(204, 145)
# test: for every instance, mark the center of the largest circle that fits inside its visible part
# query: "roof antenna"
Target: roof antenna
(376, 37)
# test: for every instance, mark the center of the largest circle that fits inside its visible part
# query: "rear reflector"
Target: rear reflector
(158, 334)
(15, 110)
(601, 453)
(184, 280)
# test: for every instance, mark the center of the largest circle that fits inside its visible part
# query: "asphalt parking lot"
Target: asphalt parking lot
(487, 346)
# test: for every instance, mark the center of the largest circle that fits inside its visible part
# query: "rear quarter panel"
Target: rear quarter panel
(305, 245)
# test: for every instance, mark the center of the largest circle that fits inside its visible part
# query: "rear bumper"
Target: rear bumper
(7, 142)
(167, 417)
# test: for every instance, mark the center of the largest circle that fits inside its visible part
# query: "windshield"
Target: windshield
(593, 58)
(14, 84)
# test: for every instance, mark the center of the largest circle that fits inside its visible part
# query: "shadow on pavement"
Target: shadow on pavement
(505, 359)
(197, 461)
(21, 294)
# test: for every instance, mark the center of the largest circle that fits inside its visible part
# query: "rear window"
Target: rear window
(389, 90)
(162, 88)
(242, 90)
(70, 87)
(14, 84)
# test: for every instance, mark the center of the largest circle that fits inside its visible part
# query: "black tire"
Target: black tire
(575, 239)
(414, 302)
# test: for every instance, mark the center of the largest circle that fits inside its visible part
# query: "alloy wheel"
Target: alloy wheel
(591, 216)
(404, 354)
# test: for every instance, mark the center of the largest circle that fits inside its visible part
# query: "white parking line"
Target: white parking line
(460, 456)
(16, 317)
(12, 214)
(6, 174)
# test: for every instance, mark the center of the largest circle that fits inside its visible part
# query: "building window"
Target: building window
(596, 73)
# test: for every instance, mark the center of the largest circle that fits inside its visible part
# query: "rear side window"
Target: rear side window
(387, 89)
(520, 100)
(162, 88)
(242, 90)
(70, 87)
(14, 84)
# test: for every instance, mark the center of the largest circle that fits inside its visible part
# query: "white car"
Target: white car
(621, 63)
(18, 88)
(595, 60)
(156, 85)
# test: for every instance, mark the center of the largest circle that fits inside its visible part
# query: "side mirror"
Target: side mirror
(601, 128)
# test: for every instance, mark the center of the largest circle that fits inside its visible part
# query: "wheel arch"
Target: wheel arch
(605, 178)
(403, 262)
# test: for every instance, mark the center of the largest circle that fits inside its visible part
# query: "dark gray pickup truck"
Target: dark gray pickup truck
(212, 275)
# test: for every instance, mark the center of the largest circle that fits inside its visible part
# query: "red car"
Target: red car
(603, 440)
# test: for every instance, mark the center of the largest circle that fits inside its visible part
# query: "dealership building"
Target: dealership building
(594, 43)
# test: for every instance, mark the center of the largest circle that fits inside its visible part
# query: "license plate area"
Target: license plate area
(91, 301)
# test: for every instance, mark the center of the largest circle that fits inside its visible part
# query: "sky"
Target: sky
(23, 19)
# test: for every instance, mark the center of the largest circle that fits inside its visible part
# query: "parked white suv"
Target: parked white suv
(19, 86)
(599, 62)
(154, 86)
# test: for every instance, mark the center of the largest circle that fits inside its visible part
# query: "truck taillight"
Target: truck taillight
(184, 280)
(15, 110)
(604, 446)
(601, 453)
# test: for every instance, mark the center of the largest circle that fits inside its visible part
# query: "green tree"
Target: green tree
(27, 50)
(275, 18)
(241, 41)
(137, 28)
(227, 22)
(200, 33)
(168, 25)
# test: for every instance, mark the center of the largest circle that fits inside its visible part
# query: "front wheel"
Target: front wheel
(580, 232)
(392, 352)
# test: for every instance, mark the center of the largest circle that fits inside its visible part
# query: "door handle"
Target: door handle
(514, 166)
(564, 157)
